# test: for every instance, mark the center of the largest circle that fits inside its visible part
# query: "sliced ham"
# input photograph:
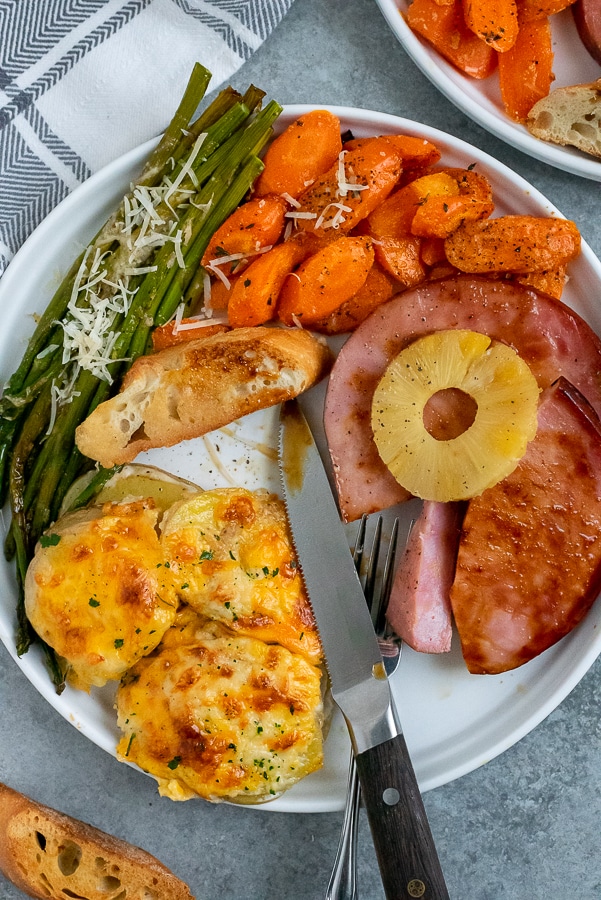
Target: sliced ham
(546, 333)
(529, 560)
(420, 608)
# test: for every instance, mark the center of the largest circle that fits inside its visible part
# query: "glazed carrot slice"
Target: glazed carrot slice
(440, 212)
(518, 244)
(526, 71)
(305, 150)
(443, 26)
(494, 21)
(325, 281)
(349, 191)
(416, 153)
(550, 282)
(378, 287)
(398, 250)
(221, 292)
(173, 333)
(254, 297)
(540, 9)
(253, 225)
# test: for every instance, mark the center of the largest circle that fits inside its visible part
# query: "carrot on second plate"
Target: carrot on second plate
(255, 224)
(443, 26)
(325, 280)
(348, 192)
(494, 21)
(518, 244)
(526, 71)
(254, 297)
(305, 150)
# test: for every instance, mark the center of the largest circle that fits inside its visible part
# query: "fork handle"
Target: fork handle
(407, 857)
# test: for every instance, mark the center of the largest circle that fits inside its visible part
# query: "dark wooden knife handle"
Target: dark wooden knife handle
(407, 857)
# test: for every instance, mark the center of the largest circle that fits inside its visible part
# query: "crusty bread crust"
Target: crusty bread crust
(186, 391)
(570, 116)
(47, 854)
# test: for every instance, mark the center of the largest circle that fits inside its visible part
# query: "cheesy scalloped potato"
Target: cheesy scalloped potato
(193, 600)
(221, 715)
(231, 551)
(97, 592)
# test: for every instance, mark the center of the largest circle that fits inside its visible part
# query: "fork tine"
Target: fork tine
(386, 581)
(372, 567)
(360, 543)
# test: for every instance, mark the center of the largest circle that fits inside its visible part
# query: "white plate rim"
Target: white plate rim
(567, 672)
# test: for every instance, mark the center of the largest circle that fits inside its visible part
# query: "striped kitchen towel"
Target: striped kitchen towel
(83, 81)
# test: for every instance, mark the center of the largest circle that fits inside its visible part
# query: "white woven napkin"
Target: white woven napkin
(82, 81)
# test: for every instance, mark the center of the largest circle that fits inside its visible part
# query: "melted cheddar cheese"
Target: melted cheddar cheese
(221, 715)
(231, 554)
(97, 592)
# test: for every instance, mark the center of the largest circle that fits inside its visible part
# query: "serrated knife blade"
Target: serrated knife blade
(404, 845)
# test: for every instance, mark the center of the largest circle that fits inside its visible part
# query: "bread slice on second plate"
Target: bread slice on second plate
(570, 116)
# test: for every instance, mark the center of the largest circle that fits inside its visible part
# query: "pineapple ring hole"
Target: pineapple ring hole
(449, 413)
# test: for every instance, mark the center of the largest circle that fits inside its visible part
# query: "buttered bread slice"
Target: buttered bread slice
(186, 391)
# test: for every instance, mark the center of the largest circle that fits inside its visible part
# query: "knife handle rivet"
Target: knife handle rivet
(391, 796)
(416, 888)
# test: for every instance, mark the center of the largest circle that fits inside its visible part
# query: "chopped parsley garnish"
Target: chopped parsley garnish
(93, 602)
(49, 540)
(174, 763)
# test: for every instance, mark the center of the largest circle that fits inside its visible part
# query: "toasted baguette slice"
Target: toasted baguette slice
(50, 855)
(570, 116)
(186, 391)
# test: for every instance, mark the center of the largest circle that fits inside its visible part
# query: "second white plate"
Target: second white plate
(480, 100)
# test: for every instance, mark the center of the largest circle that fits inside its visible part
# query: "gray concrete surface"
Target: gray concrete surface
(525, 826)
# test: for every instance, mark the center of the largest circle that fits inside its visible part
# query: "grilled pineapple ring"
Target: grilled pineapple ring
(503, 392)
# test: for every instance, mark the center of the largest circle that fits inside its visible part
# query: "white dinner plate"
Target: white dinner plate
(480, 99)
(453, 721)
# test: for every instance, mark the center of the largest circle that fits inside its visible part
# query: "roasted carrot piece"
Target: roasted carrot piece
(173, 333)
(432, 251)
(440, 213)
(398, 250)
(351, 189)
(519, 244)
(253, 225)
(305, 150)
(254, 297)
(443, 26)
(540, 9)
(526, 71)
(378, 287)
(494, 21)
(221, 292)
(551, 282)
(325, 280)
(416, 153)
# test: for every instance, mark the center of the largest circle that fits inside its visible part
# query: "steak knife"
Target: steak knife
(405, 849)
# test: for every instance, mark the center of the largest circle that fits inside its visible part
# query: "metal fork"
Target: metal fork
(343, 880)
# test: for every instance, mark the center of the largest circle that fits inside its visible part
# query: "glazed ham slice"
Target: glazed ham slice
(419, 608)
(529, 560)
(546, 333)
